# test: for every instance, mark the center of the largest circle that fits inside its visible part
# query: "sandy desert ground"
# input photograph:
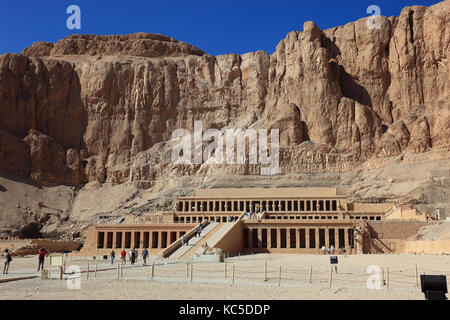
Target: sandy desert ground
(172, 281)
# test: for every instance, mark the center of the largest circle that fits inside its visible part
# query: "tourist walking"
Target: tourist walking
(123, 255)
(187, 241)
(132, 256)
(145, 255)
(324, 250)
(42, 253)
(136, 255)
(112, 255)
(332, 249)
(183, 238)
(8, 260)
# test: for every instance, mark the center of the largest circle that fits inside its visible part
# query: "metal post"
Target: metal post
(192, 270)
(331, 277)
(225, 269)
(387, 269)
(265, 270)
(187, 269)
(417, 277)
(87, 272)
(232, 283)
(310, 274)
(95, 272)
(279, 277)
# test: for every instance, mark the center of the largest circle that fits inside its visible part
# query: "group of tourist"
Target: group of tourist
(8, 258)
(197, 232)
(253, 215)
(133, 254)
(332, 250)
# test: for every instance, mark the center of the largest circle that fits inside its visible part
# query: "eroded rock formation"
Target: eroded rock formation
(103, 108)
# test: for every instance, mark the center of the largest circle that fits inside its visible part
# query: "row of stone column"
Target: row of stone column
(136, 239)
(254, 205)
(311, 238)
(198, 219)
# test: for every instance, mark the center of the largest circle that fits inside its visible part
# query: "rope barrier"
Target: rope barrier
(255, 273)
(402, 275)
(437, 271)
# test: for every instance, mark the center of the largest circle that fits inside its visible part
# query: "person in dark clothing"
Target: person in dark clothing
(145, 255)
(42, 253)
(132, 256)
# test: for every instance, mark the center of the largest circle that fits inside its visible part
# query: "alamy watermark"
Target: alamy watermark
(74, 279)
(374, 21)
(375, 279)
(190, 149)
(74, 20)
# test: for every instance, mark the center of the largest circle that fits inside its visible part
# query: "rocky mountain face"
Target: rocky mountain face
(103, 108)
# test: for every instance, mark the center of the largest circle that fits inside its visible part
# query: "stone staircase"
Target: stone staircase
(185, 251)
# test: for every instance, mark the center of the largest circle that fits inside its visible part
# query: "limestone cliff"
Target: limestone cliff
(103, 108)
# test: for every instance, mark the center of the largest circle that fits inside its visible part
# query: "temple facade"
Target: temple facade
(241, 220)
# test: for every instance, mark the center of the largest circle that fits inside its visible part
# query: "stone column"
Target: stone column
(336, 237)
(123, 240)
(150, 239)
(327, 237)
(114, 239)
(316, 232)
(288, 237)
(260, 238)
(269, 237)
(105, 240)
(278, 237)
(346, 240)
(307, 238)
(159, 240)
(132, 240)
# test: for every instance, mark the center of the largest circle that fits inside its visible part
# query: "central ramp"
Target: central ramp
(186, 251)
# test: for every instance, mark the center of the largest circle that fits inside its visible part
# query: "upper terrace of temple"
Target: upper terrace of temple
(263, 193)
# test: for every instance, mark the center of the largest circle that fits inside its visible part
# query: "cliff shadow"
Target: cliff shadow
(352, 89)
(13, 177)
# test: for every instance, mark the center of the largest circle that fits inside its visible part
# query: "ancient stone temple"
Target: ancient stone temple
(282, 220)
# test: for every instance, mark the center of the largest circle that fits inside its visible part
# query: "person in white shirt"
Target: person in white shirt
(8, 259)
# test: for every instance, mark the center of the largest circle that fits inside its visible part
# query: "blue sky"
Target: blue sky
(217, 27)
